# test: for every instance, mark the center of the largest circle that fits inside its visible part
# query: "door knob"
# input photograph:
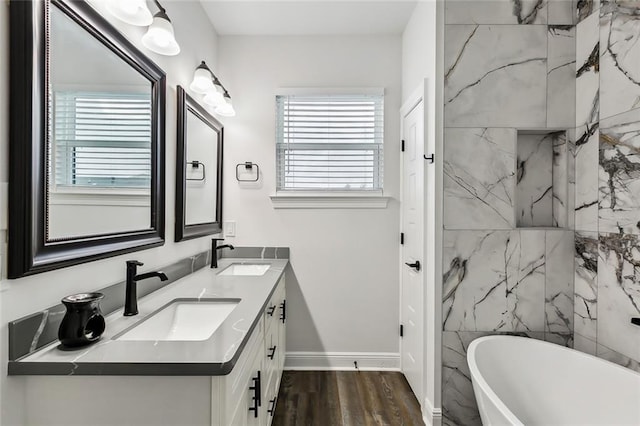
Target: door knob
(415, 265)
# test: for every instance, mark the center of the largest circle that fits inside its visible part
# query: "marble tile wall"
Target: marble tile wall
(619, 173)
(500, 281)
(562, 181)
(479, 178)
(510, 66)
(534, 183)
(561, 72)
(619, 57)
(507, 88)
(542, 185)
(607, 184)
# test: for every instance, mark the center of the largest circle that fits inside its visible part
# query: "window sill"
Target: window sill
(328, 201)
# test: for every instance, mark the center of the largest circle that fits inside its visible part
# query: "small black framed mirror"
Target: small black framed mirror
(198, 170)
(86, 157)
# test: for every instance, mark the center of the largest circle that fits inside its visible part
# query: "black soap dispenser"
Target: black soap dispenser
(83, 322)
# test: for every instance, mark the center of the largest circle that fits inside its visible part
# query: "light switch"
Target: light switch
(229, 228)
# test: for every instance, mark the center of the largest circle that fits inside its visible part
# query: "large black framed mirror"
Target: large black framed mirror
(198, 170)
(87, 111)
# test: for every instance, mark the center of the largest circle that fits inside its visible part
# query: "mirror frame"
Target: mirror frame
(183, 232)
(29, 251)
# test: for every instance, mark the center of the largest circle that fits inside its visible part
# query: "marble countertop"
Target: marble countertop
(214, 356)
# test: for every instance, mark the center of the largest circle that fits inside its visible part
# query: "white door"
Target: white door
(412, 251)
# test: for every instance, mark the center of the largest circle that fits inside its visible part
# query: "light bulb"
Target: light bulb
(213, 98)
(226, 109)
(159, 37)
(202, 82)
(133, 12)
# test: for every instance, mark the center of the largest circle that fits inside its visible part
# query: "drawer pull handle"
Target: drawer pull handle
(271, 310)
(272, 409)
(257, 397)
(283, 314)
(273, 352)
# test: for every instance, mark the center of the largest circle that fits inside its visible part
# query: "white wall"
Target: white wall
(419, 66)
(345, 297)
(24, 296)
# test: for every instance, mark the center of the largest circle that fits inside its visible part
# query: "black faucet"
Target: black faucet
(214, 250)
(131, 292)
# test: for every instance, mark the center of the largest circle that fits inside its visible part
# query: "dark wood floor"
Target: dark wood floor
(335, 398)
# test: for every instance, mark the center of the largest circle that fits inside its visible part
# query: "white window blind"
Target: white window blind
(102, 140)
(330, 142)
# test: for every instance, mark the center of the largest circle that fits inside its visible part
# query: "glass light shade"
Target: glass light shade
(159, 37)
(226, 109)
(133, 12)
(213, 98)
(202, 82)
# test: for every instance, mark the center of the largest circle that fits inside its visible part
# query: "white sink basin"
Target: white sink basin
(183, 319)
(245, 269)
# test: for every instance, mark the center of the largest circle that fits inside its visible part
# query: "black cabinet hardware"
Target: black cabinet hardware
(272, 407)
(415, 265)
(273, 352)
(401, 330)
(283, 313)
(271, 310)
(430, 158)
(402, 238)
(257, 395)
(635, 321)
(402, 145)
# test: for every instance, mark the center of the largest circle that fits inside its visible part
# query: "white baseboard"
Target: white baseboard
(431, 416)
(322, 361)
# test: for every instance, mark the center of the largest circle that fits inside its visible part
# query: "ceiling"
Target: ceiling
(309, 17)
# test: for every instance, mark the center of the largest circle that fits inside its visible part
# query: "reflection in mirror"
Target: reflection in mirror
(202, 155)
(100, 145)
(199, 170)
(86, 155)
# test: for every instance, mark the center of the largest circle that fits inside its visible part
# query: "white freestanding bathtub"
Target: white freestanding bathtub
(522, 381)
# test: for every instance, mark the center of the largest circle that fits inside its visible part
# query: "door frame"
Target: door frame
(430, 401)
(407, 109)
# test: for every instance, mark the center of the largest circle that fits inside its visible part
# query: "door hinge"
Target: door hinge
(402, 146)
(401, 330)
(402, 238)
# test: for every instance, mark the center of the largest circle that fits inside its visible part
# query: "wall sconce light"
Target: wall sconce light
(226, 109)
(216, 96)
(202, 82)
(159, 37)
(133, 12)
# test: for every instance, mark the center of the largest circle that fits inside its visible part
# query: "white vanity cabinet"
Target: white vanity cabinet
(251, 389)
(275, 322)
(244, 397)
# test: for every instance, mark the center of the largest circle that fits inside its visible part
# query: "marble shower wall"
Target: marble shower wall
(509, 69)
(541, 185)
(508, 281)
(607, 184)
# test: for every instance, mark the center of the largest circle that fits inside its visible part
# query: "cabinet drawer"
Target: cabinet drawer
(272, 352)
(235, 382)
(273, 311)
(271, 398)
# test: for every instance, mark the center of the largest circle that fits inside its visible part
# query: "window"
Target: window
(101, 140)
(329, 142)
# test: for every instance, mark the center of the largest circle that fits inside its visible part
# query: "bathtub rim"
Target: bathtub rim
(479, 380)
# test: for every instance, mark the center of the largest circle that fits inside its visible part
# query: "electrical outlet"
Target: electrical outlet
(229, 228)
